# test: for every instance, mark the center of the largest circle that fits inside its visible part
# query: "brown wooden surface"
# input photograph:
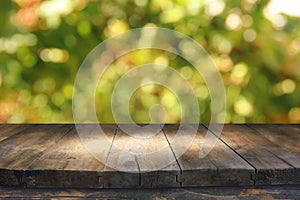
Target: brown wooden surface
(42, 156)
(265, 192)
(8, 130)
(134, 157)
(285, 136)
(220, 167)
(268, 158)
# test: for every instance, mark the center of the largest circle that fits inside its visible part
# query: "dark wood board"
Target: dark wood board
(221, 166)
(265, 156)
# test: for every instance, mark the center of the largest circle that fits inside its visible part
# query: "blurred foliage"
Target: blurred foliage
(43, 43)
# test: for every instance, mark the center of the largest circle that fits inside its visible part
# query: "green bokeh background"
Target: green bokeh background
(43, 43)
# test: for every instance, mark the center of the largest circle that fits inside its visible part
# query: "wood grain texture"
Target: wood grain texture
(71, 163)
(65, 156)
(261, 153)
(285, 136)
(267, 192)
(221, 166)
(8, 130)
(20, 150)
(140, 159)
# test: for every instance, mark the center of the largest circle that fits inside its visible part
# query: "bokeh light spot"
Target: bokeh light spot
(68, 91)
(54, 55)
(214, 7)
(243, 107)
(249, 35)
(238, 73)
(233, 21)
(84, 28)
(294, 115)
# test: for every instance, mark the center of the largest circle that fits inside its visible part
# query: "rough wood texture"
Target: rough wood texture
(9, 130)
(285, 136)
(55, 156)
(20, 150)
(220, 167)
(139, 160)
(267, 192)
(70, 161)
(268, 158)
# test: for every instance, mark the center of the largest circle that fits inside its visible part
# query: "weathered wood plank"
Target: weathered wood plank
(138, 157)
(121, 169)
(262, 154)
(267, 192)
(20, 150)
(8, 130)
(157, 163)
(55, 156)
(221, 166)
(70, 162)
(285, 136)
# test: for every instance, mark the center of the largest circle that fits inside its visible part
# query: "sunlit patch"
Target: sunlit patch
(289, 7)
(294, 114)
(278, 21)
(11, 44)
(68, 91)
(233, 21)
(238, 73)
(162, 60)
(194, 6)
(214, 7)
(168, 99)
(243, 107)
(249, 35)
(172, 15)
(52, 10)
(286, 86)
(54, 55)
(115, 27)
(274, 10)
(224, 63)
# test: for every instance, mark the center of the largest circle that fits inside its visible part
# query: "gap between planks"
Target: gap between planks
(270, 151)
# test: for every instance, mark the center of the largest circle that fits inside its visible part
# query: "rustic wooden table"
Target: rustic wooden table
(245, 192)
(53, 156)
